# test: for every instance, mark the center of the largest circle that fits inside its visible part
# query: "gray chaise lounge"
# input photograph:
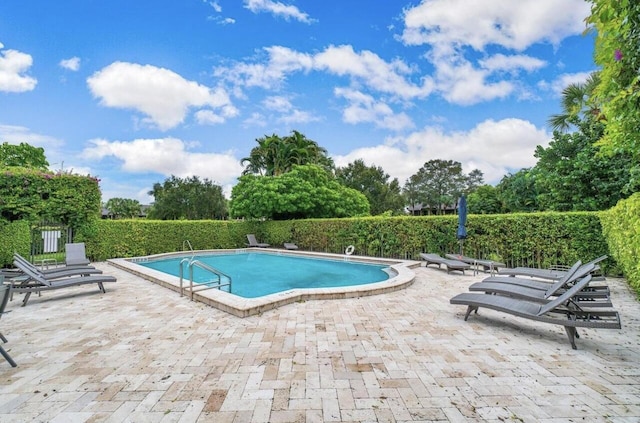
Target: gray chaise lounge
(5, 292)
(431, 258)
(36, 281)
(254, 243)
(559, 311)
(551, 274)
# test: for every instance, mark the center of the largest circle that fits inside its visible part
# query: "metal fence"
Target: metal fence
(48, 240)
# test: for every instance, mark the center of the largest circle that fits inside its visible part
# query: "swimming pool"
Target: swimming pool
(256, 274)
(398, 275)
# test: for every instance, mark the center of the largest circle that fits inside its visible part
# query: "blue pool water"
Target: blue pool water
(258, 274)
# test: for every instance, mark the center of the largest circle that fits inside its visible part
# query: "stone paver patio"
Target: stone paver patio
(140, 353)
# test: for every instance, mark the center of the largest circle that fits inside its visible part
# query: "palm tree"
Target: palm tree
(576, 102)
(274, 155)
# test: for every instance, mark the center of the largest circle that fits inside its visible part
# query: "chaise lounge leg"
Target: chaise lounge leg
(8, 357)
(572, 334)
(469, 310)
(3, 338)
(26, 298)
(100, 284)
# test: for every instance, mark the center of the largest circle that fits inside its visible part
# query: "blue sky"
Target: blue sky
(135, 91)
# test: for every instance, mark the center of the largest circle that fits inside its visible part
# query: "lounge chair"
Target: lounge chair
(555, 289)
(55, 272)
(38, 281)
(5, 292)
(487, 265)
(451, 265)
(290, 246)
(75, 254)
(551, 274)
(590, 292)
(254, 243)
(559, 311)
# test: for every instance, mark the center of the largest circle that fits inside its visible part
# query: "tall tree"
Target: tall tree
(577, 103)
(307, 191)
(274, 155)
(439, 183)
(123, 208)
(572, 175)
(187, 198)
(484, 200)
(617, 28)
(384, 195)
(517, 192)
(411, 193)
(23, 155)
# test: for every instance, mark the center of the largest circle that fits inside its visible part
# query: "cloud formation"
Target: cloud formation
(494, 147)
(452, 29)
(13, 66)
(72, 64)
(278, 9)
(166, 156)
(161, 94)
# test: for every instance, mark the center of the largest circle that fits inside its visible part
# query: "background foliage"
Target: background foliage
(530, 239)
(621, 228)
(28, 194)
(307, 191)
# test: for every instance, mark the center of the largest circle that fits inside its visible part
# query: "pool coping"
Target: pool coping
(244, 307)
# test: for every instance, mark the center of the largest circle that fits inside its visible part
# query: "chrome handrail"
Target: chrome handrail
(188, 243)
(209, 285)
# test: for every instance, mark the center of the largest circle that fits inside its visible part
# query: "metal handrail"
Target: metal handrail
(188, 243)
(190, 264)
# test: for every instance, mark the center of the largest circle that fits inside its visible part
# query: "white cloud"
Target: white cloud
(161, 94)
(287, 113)
(13, 65)
(368, 68)
(562, 81)
(364, 108)
(511, 24)
(494, 147)
(216, 6)
(14, 134)
(503, 63)
(72, 64)
(166, 156)
(277, 9)
(450, 28)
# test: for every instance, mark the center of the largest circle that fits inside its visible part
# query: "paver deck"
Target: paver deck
(140, 353)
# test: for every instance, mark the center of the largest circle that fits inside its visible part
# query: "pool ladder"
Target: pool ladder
(222, 278)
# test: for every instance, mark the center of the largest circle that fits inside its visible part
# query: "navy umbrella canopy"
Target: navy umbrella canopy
(462, 220)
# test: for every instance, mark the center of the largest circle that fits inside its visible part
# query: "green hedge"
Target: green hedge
(621, 228)
(531, 239)
(33, 195)
(16, 237)
(135, 237)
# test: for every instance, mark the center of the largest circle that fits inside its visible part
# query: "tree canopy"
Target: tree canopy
(275, 155)
(307, 191)
(439, 183)
(187, 198)
(23, 155)
(122, 208)
(617, 27)
(384, 195)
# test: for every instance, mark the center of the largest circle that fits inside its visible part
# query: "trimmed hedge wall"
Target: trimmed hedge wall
(527, 239)
(16, 237)
(621, 228)
(532, 239)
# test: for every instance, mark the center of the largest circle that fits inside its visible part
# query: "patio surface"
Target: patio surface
(140, 353)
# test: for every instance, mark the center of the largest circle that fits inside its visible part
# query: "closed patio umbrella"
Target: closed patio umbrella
(461, 233)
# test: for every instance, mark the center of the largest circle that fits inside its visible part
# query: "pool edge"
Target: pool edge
(245, 307)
